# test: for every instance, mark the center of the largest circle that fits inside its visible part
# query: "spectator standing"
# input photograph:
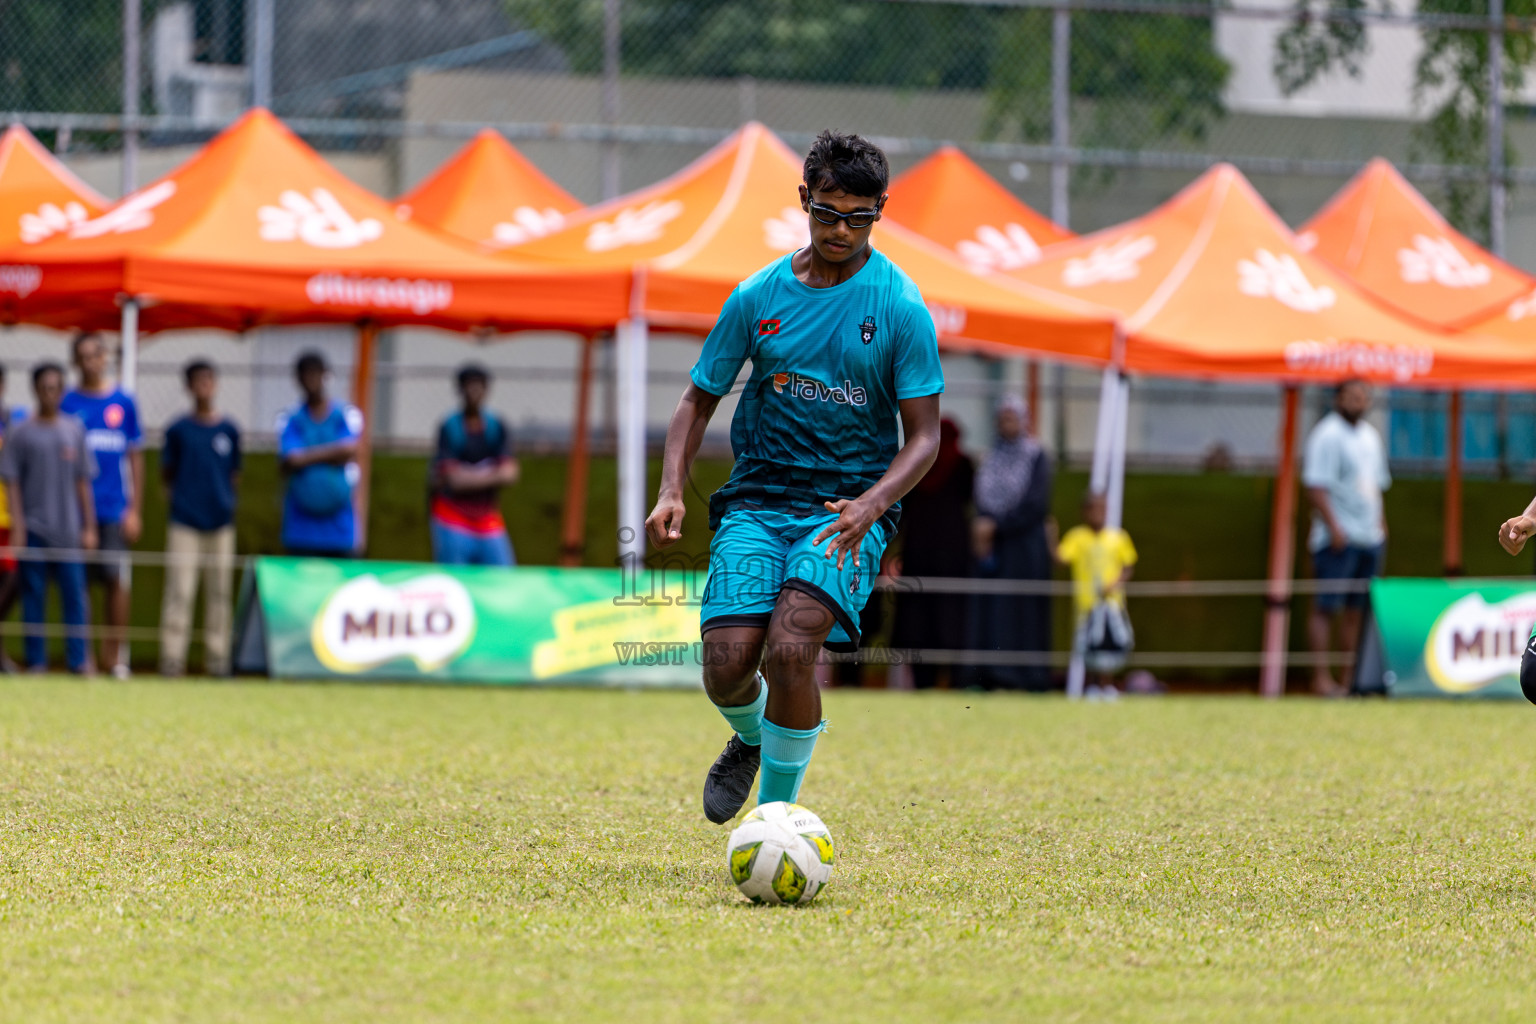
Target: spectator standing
(47, 468)
(472, 464)
(317, 449)
(1101, 559)
(111, 420)
(935, 527)
(1009, 540)
(10, 578)
(1345, 472)
(200, 464)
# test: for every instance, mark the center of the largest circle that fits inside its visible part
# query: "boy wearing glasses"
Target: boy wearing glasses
(841, 347)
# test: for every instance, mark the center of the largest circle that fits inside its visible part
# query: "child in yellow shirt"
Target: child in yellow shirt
(1100, 559)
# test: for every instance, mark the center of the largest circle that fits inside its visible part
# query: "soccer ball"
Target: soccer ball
(781, 853)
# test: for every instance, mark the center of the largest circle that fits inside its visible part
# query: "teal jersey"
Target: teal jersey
(818, 417)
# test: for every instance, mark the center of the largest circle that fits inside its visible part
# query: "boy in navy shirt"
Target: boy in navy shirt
(200, 464)
(317, 446)
(472, 464)
(112, 434)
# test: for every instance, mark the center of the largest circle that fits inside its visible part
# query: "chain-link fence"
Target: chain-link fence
(1091, 111)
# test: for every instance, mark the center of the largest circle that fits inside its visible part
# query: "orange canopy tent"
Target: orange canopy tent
(693, 237)
(1383, 233)
(257, 228)
(949, 199)
(490, 194)
(1213, 284)
(39, 197)
(1387, 236)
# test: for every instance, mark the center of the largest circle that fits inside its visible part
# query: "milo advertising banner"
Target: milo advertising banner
(306, 618)
(1446, 638)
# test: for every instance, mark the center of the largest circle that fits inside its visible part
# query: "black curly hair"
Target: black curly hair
(848, 164)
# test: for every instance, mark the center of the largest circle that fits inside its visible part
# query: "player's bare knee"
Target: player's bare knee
(730, 672)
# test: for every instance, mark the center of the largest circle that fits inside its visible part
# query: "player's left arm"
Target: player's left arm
(920, 426)
(133, 516)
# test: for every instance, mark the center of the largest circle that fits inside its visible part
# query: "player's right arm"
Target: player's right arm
(1515, 532)
(725, 352)
(685, 433)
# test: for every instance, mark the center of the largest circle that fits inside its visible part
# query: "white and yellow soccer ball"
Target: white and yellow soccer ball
(781, 853)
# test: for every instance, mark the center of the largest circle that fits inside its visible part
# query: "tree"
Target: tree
(1144, 77)
(1450, 79)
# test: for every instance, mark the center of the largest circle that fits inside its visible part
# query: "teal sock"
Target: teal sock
(747, 719)
(786, 755)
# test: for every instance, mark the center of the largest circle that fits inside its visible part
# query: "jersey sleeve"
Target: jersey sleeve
(1320, 463)
(170, 453)
(289, 439)
(236, 456)
(1070, 546)
(131, 429)
(1127, 550)
(727, 348)
(918, 371)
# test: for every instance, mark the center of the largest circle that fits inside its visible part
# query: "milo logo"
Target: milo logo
(429, 619)
(1474, 643)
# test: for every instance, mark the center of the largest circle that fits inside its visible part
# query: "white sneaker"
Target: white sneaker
(120, 672)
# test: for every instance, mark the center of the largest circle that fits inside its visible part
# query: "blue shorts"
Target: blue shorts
(452, 546)
(757, 553)
(1353, 562)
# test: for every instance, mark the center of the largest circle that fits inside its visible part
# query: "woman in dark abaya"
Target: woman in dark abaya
(1009, 540)
(935, 529)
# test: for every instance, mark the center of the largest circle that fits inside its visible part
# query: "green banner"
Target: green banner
(1446, 638)
(313, 618)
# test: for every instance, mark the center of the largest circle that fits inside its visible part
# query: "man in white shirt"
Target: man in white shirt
(1344, 471)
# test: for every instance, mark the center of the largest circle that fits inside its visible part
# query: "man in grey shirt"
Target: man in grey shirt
(47, 471)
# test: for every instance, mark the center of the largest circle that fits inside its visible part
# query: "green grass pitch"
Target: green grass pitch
(259, 852)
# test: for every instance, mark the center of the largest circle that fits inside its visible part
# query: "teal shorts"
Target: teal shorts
(757, 553)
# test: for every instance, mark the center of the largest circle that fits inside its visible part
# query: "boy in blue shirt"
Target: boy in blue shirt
(841, 346)
(112, 433)
(200, 464)
(317, 446)
(472, 464)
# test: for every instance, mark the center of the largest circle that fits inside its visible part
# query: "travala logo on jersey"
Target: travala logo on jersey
(867, 329)
(812, 390)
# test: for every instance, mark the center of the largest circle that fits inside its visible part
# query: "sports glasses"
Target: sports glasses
(857, 219)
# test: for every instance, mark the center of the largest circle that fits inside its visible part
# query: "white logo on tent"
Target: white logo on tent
(633, 226)
(1437, 260)
(50, 219)
(1113, 261)
(317, 219)
(1007, 249)
(788, 231)
(1268, 276)
(1522, 307)
(527, 223)
(132, 214)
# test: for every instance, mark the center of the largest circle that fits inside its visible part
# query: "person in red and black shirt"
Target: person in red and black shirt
(472, 464)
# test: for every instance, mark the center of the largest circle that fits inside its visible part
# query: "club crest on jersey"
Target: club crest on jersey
(812, 390)
(867, 329)
(768, 327)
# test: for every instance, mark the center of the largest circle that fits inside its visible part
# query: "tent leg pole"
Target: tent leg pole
(1452, 539)
(578, 467)
(633, 339)
(1282, 555)
(1032, 396)
(1114, 511)
(128, 356)
(362, 397)
(1106, 441)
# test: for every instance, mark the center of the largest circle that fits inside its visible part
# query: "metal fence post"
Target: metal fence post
(259, 60)
(132, 52)
(1061, 94)
(1496, 127)
(612, 55)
